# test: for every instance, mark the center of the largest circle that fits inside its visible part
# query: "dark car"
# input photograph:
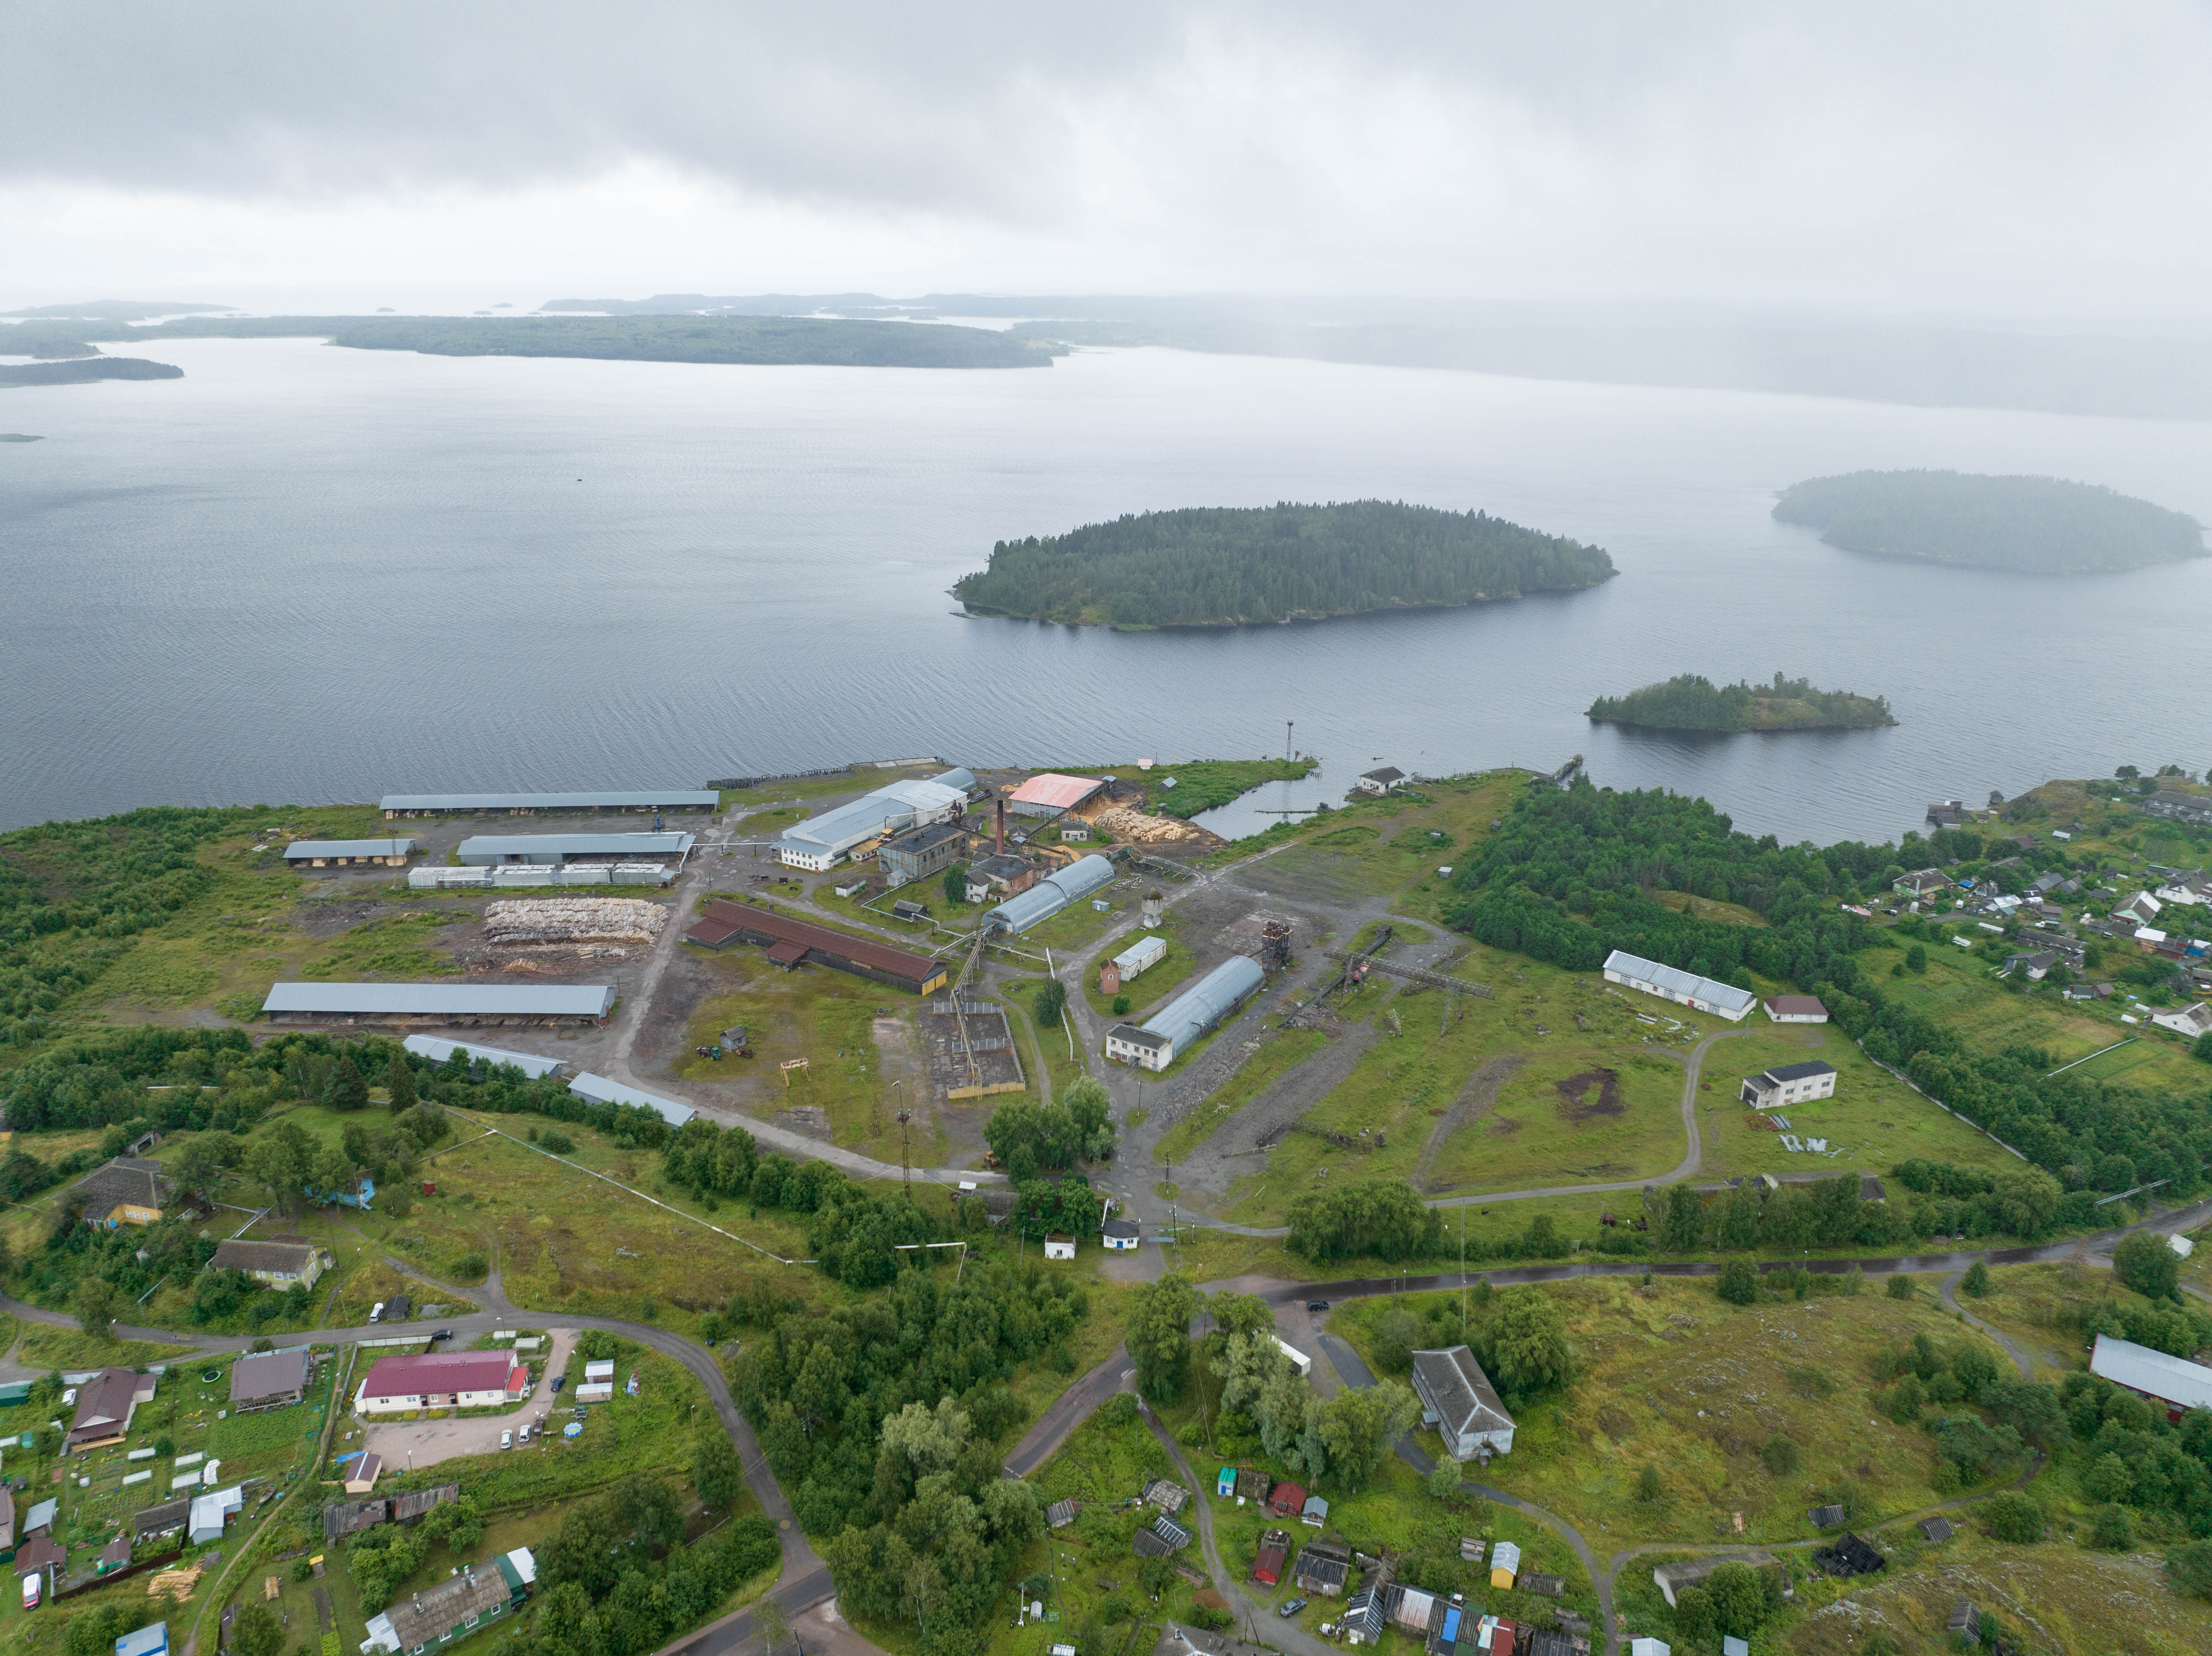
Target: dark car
(1317, 1305)
(442, 1334)
(560, 1380)
(1290, 1607)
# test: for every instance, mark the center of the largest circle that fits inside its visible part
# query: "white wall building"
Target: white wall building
(1684, 988)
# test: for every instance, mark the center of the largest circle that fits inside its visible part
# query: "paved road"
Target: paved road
(1069, 1411)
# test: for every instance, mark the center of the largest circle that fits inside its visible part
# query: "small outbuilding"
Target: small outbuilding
(1285, 1499)
(348, 853)
(1796, 1009)
(1315, 1512)
(1122, 1235)
(1936, 1529)
(1385, 780)
(1505, 1564)
(1058, 1246)
(152, 1640)
(1274, 1553)
(1825, 1517)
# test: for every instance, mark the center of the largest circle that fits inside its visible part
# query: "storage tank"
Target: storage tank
(1052, 894)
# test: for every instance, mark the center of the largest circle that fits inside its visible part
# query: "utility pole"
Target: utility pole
(906, 1173)
(1289, 752)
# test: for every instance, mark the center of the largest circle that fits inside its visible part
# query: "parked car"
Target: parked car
(1290, 1607)
(442, 1334)
(1317, 1305)
(507, 1439)
(376, 1311)
(560, 1380)
(31, 1584)
(523, 1434)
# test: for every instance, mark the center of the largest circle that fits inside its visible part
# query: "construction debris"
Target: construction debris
(561, 922)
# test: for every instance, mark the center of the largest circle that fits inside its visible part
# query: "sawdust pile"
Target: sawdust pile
(559, 922)
(1125, 824)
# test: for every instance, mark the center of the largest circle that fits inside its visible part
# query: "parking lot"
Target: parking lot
(407, 1445)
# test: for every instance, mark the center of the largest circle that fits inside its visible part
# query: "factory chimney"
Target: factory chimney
(999, 843)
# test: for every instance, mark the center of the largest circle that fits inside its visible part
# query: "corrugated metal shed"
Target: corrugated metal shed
(2175, 1381)
(1052, 894)
(439, 1050)
(1051, 793)
(1212, 998)
(664, 799)
(545, 848)
(600, 1090)
(1676, 984)
(886, 810)
(431, 999)
(302, 850)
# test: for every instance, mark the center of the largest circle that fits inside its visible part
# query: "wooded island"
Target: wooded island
(1693, 702)
(1230, 566)
(2041, 525)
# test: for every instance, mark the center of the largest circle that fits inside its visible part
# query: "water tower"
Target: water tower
(1152, 903)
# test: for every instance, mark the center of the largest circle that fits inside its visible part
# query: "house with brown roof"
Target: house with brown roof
(127, 1191)
(104, 1407)
(277, 1264)
(790, 942)
(268, 1380)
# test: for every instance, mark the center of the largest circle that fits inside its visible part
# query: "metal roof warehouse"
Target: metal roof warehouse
(439, 804)
(480, 849)
(439, 1004)
(1684, 988)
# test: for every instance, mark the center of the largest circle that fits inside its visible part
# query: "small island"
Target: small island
(83, 370)
(1235, 566)
(2037, 526)
(1693, 702)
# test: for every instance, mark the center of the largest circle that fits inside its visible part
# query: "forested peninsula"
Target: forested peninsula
(759, 340)
(2039, 525)
(1693, 702)
(84, 369)
(1237, 566)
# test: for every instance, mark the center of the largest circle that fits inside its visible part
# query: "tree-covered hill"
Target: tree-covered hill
(2039, 524)
(1229, 565)
(1692, 701)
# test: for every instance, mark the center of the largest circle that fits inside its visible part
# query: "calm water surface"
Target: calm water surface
(303, 574)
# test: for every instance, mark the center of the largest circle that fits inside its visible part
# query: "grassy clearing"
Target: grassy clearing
(1875, 1119)
(824, 1016)
(2036, 1306)
(1152, 988)
(45, 1346)
(1672, 1377)
(1708, 908)
(1041, 1047)
(569, 1242)
(1279, 1052)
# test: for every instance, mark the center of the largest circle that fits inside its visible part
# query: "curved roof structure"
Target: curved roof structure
(1052, 894)
(882, 810)
(1206, 1002)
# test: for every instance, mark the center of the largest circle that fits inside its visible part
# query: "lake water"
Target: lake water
(303, 574)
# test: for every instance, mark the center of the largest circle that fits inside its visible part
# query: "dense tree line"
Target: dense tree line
(1693, 702)
(2040, 523)
(1029, 1138)
(1222, 566)
(1568, 876)
(883, 1420)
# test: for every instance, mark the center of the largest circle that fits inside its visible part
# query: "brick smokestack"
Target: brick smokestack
(999, 843)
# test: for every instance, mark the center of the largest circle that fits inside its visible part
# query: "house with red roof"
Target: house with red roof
(442, 1380)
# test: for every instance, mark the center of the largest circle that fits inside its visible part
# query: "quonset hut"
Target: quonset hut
(1175, 1027)
(1050, 895)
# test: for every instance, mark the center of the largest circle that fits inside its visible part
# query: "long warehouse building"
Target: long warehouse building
(1179, 1025)
(439, 1051)
(546, 850)
(437, 1005)
(1683, 988)
(1050, 895)
(822, 842)
(789, 941)
(463, 804)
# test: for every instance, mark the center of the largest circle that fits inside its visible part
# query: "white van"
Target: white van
(376, 1311)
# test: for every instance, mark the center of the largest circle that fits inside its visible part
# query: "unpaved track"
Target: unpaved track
(1473, 1102)
(1230, 1151)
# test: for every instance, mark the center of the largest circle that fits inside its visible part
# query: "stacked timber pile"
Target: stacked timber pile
(563, 922)
(1125, 824)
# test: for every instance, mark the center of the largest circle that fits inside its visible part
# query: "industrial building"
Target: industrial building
(1052, 795)
(342, 853)
(999, 872)
(790, 942)
(435, 1005)
(598, 1089)
(820, 843)
(439, 1051)
(1458, 1399)
(501, 875)
(1153, 1044)
(1684, 988)
(2175, 1384)
(1050, 895)
(521, 805)
(1790, 1084)
(551, 850)
(920, 853)
(1143, 953)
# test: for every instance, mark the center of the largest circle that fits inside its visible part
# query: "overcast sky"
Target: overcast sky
(2002, 160)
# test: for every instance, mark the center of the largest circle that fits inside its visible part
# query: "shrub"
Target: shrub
(2111, 1529)
(2146, 1264)
(1780, 1454)
(1739, 1282)
(2012, 1516)
(2188, 1567)
(559, 1142)
(1900, 1287)
(1976, 1282)
(1121, 1006)
(1647, 1483)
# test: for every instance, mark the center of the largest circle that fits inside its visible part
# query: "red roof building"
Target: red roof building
(1051, 793)
(1286, 1501)
(442, 1380)
(1275, 1550)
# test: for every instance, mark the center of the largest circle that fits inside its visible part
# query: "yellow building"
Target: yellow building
(128, 1190)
